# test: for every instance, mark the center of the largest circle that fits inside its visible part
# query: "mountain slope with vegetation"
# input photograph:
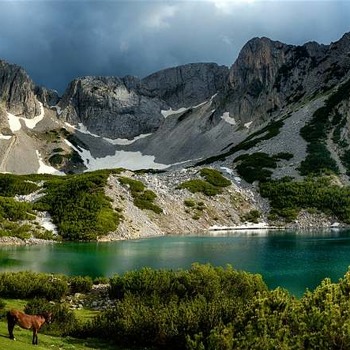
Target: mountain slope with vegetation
(279, 111)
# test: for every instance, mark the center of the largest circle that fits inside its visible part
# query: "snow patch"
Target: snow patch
(228, 170)
(5, 137)
(15, 122)
(247, 125)
(121, 142)
(212, 98)
(121, 159)
(167, 113)
(31, 123)
(171, 112)
(58, 109)
(46, 169)
(124, 142)
(226, 117)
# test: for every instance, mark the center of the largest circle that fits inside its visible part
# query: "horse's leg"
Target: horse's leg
(35, 336)
(11, 321)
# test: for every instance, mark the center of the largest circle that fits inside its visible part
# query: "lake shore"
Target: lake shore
(255, 227)
(11, 241)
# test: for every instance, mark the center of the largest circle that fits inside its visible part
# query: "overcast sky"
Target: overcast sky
(58, 40)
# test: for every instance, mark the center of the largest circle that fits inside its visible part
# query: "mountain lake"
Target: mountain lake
(295, 260)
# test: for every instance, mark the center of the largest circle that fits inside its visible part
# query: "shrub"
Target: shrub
(101, 280)
(163, 308)
(56, 159)
(189, 203)
(255, 166)
(143, 198)
(288, 197)
(214, 177)
(10, 185)
(315, 132)
(78, 206)
(198, 185)
(27, 284)
(269, 131)
(14, 210)
(252, 216)
(80, 284)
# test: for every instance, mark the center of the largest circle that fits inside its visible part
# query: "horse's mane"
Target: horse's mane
(44, 314)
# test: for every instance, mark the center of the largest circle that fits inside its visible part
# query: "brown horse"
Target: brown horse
(25, 321)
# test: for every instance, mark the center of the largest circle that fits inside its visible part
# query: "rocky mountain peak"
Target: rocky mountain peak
(111, 106)
(127, 107)
(17, 91)
(258, 61)
(187, 85)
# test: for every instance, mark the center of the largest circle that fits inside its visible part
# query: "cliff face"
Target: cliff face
(111, 107)
(17, 91)
(187, 85)
(268, 76)
(127, 107)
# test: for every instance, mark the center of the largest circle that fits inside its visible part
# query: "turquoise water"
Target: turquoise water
(293, 260)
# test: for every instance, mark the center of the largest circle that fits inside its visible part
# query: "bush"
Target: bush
(269, 131)
(252, 216)
(190, 203)
(315, 132)
(255, 166)
(79, 284)
(25, 285)
(78, 206)
(13, 210)
(101, 280)
(163, 307)
(143, 198)
(198, 185)
(288, 197)
(10, 185)
(214, 177)
(56, 159)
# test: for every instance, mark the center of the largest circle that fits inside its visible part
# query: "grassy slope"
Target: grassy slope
(24, 337)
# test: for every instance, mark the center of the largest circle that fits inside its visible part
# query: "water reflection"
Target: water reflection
(295, 260)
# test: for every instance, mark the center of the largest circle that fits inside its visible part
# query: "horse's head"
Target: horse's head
(48, 317)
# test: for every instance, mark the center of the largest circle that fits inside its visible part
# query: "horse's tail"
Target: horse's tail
(11, 319)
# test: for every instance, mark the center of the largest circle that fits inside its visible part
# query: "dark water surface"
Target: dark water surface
(290, 259)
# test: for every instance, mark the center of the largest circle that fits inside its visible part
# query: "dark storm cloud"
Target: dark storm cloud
(56, 41)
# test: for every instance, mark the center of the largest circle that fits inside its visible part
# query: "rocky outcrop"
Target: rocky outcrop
(17, 91)
(48, 97)
(127, 107)
(187, 85)
(269, 76)
(111, 107)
